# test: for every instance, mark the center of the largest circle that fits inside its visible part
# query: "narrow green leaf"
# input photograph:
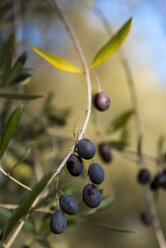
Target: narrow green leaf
(24, 74)
(107, 201)
(112, 45)
(139, 145)
(110, 227)
(20, 96)
(58, 117)
(48, 102)
(5, 214)
(17, 68)
(25, 155)
(6, 69)
(120, 121)
(5, 48)
(23, 209)
(10, 129)
(118, 145)
(57, 62)
(124, 137)
(4, 9)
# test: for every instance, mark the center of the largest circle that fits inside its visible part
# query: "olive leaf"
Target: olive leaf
(112, 45)
(10, 129)
(25, 73)
(107, 201)
(160, 146)
(110, 227)
(19, 96)
(56, 61)
(5, 48)
(139, 145)
(16, 69)
(23, 209)
(120, 121)
(24, 156)
(6, 214)
(6, 68)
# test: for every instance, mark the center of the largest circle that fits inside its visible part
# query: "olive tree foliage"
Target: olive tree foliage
(24, 138)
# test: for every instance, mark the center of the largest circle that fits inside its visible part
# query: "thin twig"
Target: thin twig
(97, 80)
(14, 180)
(14, 206)
(138, 127)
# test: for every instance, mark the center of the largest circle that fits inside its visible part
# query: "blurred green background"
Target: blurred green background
(145, 49)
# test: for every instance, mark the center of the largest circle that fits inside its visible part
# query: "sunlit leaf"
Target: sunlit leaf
(20, 96)
(112, 45)
(110, 227)
(23, 209)
(120, 121)
(10, 129)
(107, 201)
(57, 62)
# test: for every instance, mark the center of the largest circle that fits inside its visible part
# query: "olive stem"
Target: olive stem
(14, 180)
(97, 80)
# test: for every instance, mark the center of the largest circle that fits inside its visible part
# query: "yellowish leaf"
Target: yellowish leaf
(56, 61)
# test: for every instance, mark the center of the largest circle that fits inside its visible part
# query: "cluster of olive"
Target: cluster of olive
(91, 195)
(84, 149)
